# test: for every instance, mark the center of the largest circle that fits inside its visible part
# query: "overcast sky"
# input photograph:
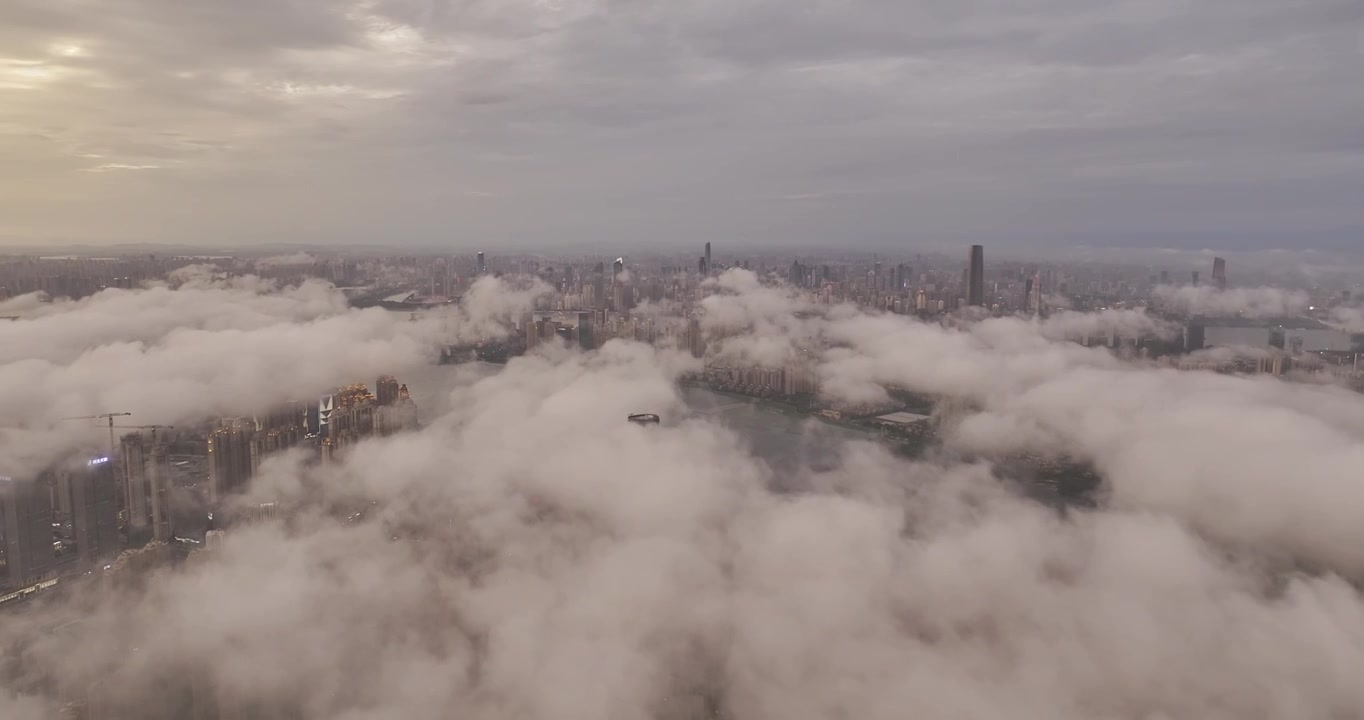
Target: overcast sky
(666, 123)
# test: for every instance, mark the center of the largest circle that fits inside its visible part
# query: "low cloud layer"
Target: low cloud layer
(529, 554)
(208, 348)
(1243, 302)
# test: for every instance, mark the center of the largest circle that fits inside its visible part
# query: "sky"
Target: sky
(563, 123)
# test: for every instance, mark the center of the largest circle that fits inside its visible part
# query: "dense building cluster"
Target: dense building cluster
(172, 485)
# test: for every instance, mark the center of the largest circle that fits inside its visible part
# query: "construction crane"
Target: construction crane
(104, 416)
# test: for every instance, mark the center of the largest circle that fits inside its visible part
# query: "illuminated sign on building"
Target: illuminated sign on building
(98, 461)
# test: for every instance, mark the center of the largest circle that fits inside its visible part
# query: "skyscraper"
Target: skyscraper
(386, 390)
(88, 497)
(26, 552)
(482, 264)
(708, 265)
(147, 488)
(585, 339)
(975, 294)
(229, 459)
(1195, 335)
(137, 496)
(1219, 273)
(1195, 278)
(159, 484)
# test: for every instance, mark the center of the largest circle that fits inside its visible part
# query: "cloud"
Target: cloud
(298, 258)
(1350, 319)
(750, 321)
(1243, 302)
(208, 348)
(529, 553)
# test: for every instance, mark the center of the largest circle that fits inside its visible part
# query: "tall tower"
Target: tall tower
(159, 485)
(1195, 278)
(975, 294)
(89, 496)
(229, 456)
(708, 265)
(387, 390)
(585, 337)
(137, 498)
(1219, 273)
(482, 264)
(26, 516)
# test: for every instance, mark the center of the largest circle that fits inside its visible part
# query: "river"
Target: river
(785, 439)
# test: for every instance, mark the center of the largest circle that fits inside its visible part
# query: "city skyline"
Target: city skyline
(850, 465)
(707, 360)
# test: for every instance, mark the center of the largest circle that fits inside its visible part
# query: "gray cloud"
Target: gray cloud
(1255, 302)
(208, 348)
(530, 554)
(1170, 123)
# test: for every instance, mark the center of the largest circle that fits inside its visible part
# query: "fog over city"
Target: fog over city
(528, 553)
(681, 360)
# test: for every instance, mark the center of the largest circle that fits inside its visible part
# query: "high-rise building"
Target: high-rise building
(147, 487)
(1195, 336)
(708, 264)
(87, 511)
(482, 264)
(159, 485)
(529, 331)
(585, 339)
(1195, 278)
(1164, 277)
(617, 268)
(599, 287)
(1219, 273)
(26, 548)
(261, 512)
(229, 459)
(975, 293)
(386, 390)
(137, 494)
(696, 341)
